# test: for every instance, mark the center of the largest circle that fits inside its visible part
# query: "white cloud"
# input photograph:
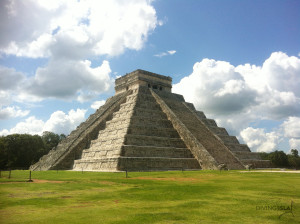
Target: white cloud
(74, 28)
(216, 87)
(162, 54)
(294, 143)
(9, 112)
(258, 140)
(245, 94)
(291, 127)
(30, 126)
(59, 122)
(65, 79)
(95, 105)
(67, 32)
(9, 78)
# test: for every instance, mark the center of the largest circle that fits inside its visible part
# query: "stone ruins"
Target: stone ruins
(145, 126)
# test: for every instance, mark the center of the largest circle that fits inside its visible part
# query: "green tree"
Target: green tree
(294, 159)
(294, 152)
(23, 150)
(279, 158)
(50, 139)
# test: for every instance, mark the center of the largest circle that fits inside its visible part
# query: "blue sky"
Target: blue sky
(238, 61)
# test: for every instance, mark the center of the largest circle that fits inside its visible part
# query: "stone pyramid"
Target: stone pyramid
(146, 127)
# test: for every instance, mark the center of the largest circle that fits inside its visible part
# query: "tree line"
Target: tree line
(23, 150)
(280, 159)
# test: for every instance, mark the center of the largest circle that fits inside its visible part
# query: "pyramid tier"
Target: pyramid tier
(228, 139)
(140, 120)
(238, 147)
(257, 163)
(105, 164)
(143, 140)
(247, 155)
(152, 151)
(136, 164)
(218, 130)
(142, 104)
(150, 163)
(153, 131)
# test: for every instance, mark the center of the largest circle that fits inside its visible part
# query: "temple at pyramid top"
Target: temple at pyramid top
(143, 78)
(145, 126)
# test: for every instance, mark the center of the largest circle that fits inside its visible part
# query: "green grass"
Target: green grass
(149, 197)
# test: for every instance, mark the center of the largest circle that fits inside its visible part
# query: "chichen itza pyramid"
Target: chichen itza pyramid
(145, 126)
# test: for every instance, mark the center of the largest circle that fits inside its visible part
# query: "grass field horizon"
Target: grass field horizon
(150, 197)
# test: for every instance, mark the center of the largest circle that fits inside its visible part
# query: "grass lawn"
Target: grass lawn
(150, 197)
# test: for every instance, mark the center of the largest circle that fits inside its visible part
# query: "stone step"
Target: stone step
(136, 164)
(98, 143)
(200, 114)
(237, 147)
(247, 155)
(152, 131)
(107, 164)
(142, 140)
(97, 148)
(191, 106)
(170, 96)
(123, 113)
(140, 97)
(141, 104)
(218, 130)
(150, 163)
(158, 114)
(96, 153)
(151, 151)
(117, 121)
(209, 122)
(111, 130)
(142, 121)
(229, 139)
(257, 163)
(111, 133)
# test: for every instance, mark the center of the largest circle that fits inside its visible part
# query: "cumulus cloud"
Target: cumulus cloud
(9, 78)
(95, 105)
(294, 143)
(74, 28)
(10, 112)
(162, 54)
(258, 140)
(30, 126)
(67, 32)
(291, 130)
(216, 87)
(59, 122)
(241, 95)
(11, 82)
(67, 78)
(291, 127)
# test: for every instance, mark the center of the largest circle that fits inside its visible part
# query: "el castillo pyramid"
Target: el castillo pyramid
(145, 126)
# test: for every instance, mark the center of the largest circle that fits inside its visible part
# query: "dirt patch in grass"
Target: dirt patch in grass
(272, 171)
(35, 181)
(180, 179)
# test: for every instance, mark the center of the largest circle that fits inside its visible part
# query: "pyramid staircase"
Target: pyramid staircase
(139, 137)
